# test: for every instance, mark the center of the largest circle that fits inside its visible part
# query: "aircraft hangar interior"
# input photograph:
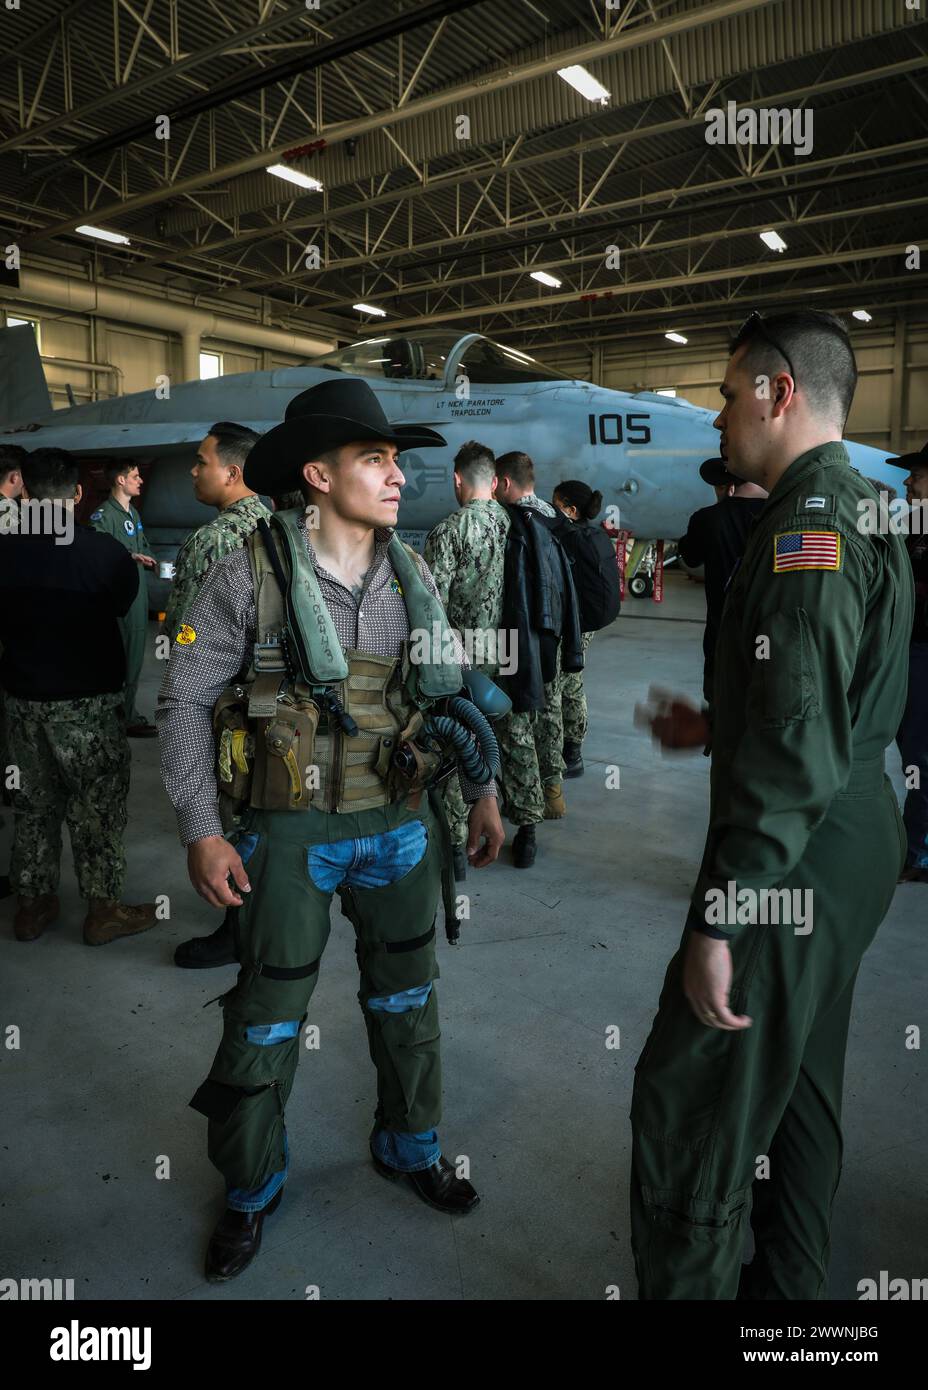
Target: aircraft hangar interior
(462, 483)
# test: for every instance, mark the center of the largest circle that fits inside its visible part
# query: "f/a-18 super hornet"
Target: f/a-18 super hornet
(640, 449)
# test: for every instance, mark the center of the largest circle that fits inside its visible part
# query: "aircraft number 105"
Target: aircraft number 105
(619, 429)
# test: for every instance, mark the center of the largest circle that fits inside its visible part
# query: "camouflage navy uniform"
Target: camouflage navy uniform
(466, 553)
(70, 750)
(73, 762)
(202, 548)
(573, 700)
(531, 743)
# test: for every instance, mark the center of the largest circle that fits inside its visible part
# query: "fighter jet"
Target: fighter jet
(640, 449)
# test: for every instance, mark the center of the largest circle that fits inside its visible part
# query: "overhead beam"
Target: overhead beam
(478, 172)
(619, 291)
(712, 13)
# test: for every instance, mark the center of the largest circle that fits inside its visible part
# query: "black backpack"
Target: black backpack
(596, 575)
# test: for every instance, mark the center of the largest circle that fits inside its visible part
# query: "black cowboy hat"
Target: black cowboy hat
(324, 417)
(715, 472)
(910, 461)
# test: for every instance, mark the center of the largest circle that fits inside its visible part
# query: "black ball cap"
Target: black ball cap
(715, 472)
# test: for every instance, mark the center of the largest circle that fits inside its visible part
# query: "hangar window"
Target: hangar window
(12, 322)
(210, 365)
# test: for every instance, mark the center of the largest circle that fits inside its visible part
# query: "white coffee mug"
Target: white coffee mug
(166, 569)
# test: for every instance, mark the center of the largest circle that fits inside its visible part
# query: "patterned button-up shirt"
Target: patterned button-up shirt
(223, 620)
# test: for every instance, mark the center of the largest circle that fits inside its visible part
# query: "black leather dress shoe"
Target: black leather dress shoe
(437, 1185)
(236, 1241)
(205, 952)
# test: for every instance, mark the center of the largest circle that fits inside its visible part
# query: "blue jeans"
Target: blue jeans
(913, 747)
(374, 861)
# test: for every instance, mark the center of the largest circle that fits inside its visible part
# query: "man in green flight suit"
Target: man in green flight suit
(737, 1099)
(299, 647)
(117, 517)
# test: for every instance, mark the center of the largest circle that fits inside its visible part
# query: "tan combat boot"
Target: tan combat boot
(33, 915)
(107, 919)
(555, 805)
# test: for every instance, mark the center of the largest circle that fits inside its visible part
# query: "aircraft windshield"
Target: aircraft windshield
(494, 364)
(424, 357)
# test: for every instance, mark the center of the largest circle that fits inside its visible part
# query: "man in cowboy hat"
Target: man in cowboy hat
(913, 731)
(715, 538)
(305, 634)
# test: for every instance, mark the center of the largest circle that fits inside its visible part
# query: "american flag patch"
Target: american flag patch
(806, 550)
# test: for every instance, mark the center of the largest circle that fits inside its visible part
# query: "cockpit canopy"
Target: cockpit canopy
(435, 355)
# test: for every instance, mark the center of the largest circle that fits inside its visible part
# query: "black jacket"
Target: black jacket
(59, 616)
(716, 537)
(540, 606)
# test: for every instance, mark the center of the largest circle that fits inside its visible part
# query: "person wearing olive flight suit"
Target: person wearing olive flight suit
(118, 518)
(355, 597)
(737, 1097)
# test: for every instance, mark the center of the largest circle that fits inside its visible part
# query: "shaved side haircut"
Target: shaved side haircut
(819, 350)
(475, 463)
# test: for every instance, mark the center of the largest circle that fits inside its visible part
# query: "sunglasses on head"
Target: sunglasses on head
(755, 327)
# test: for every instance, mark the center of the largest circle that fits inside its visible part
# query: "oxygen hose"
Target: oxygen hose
(471, 736)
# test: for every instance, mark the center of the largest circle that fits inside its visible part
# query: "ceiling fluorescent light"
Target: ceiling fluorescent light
(370, 309)
(283, 171)
(585, 83)
(773, 240)
(676, 337)
(103, 235)
(863, 315)
(544, 278)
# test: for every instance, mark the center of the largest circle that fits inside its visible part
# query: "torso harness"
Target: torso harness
(309, 724)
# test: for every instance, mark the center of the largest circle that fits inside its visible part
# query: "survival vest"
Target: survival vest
(283, 730)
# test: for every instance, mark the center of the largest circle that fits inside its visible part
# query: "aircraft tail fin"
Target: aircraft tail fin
(23, 389)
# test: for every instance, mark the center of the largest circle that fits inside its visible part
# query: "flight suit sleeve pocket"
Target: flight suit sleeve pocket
(788, 668)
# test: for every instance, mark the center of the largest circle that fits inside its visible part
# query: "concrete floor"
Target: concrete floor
(115, 1041)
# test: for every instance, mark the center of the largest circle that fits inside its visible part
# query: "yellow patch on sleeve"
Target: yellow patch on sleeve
(806, 550)
(186, 635)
